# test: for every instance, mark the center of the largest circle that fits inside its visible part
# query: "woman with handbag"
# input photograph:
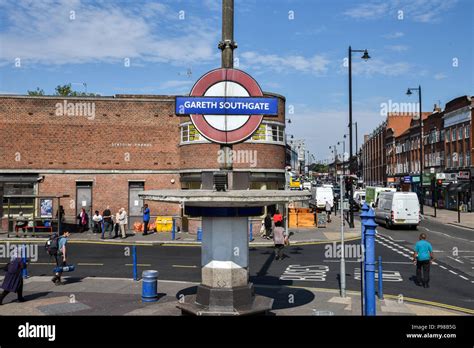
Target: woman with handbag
(13, 281)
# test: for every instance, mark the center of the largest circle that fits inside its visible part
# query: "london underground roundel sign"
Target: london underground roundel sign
(226, 106)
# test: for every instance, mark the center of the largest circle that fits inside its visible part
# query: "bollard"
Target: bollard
(251, 232)
(199, 234)
(173, 231)
(369, 262)
(24, 271)
(150, 286)
(363, 219)
(134, 255)
(380, 292)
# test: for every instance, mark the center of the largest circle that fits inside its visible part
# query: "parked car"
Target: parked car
(359, 198)
(397, 209)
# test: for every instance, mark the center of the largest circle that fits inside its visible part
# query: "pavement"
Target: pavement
(449, 217)
(118, 296)
(301, 236)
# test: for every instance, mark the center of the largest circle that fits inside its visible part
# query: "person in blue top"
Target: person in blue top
(422, 256)
(146, 219)
(61, 257)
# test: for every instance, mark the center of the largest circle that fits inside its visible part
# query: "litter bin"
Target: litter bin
(150, 286)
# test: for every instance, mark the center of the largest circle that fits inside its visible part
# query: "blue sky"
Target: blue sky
(292, 47)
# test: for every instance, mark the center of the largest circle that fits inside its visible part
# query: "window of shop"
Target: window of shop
(467, 131)
(25, 205)
(189, 134)
(447, 135)
(460, 131)
(269, 132)
(453, 134)
(442, 135)
(461, 159)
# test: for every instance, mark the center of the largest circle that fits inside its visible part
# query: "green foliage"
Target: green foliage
(38, 91)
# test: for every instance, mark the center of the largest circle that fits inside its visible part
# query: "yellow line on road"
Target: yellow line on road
(350, 292)
(179, 244)
(184, 266)
(139, 264)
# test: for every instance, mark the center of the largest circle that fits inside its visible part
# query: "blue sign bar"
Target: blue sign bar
(226, 106)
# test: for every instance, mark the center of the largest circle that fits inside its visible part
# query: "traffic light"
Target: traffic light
(439, 182)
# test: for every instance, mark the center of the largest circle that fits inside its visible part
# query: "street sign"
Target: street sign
(226, 105)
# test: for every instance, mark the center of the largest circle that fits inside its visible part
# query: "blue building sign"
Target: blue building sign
(226, 106)
(407, 179)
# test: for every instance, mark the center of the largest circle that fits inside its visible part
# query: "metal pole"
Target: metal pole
(351, 221)
(459, 211)
(370, 263)
(435, 203)
(251, 232)
(24, 271)
(343, 261)
(380, 292)
(421, 153)
(173, 231)
(227, 46)
(363, 218)
(134, 255)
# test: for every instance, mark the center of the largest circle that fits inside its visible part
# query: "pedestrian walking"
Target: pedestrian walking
(21, 222)
(13, 281)
(97, 219)
(108, 222)
(268, 226)
(279, 238)
(123, 221)
(328, 211)
(146, 219)
(83, 218)
(61, 256)
(422, 257)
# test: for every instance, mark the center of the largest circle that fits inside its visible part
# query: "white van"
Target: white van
(359, 198)
(397, 209)
(321, 195)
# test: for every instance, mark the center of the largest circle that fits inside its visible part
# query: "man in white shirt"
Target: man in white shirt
(97, 218)
(123, 220)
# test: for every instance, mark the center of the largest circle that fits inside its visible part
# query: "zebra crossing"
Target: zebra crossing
(404, 251)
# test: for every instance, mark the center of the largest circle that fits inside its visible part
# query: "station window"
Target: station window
(269, 132)
(189, 134)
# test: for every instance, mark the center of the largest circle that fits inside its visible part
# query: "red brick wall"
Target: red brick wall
(109, 189)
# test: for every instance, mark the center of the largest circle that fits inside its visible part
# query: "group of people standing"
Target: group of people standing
(105, 222)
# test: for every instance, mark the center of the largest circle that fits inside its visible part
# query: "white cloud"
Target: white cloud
(317, 64)
(440, 76)
(397, 48)
(42, 32)
(377, 66)
(425, 11)
(395, 35)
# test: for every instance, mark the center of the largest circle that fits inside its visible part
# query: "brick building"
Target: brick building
(373, 157)
(129, 143)
(457, 118)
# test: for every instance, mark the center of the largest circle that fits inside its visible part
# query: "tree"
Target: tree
(64, 90)
(38, 91)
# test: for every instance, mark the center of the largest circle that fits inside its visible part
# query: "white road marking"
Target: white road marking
(463, 277)
(453, 272)
(309, 273)
(396, 240)
(452, 258)
(442, 267)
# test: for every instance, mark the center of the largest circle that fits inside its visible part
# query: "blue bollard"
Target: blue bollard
(251, 232)
(173, 231)
(380, 292)
(363, 219)
(134, 255)
(199, 234)
(369, 262)
(68, 268)
(24, 271)
(150, 286)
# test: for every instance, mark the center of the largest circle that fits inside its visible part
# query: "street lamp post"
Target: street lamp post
(418, 89)
(365, 57)
(335, 160)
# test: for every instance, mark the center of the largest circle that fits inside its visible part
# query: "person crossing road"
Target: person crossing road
(422, 257)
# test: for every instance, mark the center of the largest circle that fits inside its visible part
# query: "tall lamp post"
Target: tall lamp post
(335, 160)
(365, 57)
(421, 145)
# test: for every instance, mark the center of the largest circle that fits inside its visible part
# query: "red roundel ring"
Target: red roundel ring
(222, 75)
